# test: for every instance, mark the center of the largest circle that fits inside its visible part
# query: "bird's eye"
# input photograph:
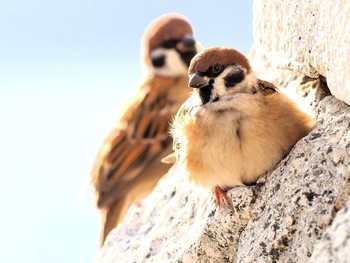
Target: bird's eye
(216, 68)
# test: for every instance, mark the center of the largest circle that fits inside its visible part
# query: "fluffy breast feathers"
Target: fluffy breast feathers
(229, 148)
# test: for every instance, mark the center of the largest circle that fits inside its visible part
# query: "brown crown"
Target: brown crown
(171, 26)
(218, 55)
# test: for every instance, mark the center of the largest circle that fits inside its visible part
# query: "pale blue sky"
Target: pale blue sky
(64, 68)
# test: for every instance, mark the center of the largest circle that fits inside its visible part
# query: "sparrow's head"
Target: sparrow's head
(169, 46)
(220, 74)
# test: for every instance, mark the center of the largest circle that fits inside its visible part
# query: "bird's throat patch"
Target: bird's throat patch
(187, 56)
(205, 93)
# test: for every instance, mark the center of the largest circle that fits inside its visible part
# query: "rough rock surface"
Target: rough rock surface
(309, 36)
(290, 215)
(334, 245)
(300, 198)
(175, 218)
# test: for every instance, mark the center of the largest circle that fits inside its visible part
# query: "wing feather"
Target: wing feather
(267, 87)
(140, 137)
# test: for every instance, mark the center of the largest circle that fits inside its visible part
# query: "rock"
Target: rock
(184, 226)
(298, 200)
(285, 217)
(312, 37)
(334, 245)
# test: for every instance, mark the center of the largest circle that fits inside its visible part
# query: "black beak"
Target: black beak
(197, 81)
(188, 41)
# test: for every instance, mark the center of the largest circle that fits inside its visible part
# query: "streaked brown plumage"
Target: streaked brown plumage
(128, 165)
(234, 127)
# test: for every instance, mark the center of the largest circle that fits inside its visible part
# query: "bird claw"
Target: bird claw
(220, 192)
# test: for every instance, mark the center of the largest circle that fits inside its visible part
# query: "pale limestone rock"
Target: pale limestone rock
(334, 245)
(298, 200)
(312, 37)
(179, 222)
(281, 219)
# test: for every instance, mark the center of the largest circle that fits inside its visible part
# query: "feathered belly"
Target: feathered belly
(219, 155)
(213, 156)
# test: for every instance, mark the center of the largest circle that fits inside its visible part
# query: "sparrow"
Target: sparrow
(234, 127)
(128, 165)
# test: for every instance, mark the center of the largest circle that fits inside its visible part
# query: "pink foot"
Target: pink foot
(220, 192)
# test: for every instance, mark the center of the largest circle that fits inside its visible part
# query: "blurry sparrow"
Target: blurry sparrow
(128, 165)
(234, 127)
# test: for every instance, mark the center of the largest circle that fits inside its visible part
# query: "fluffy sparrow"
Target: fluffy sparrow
(128, 166)
(234, 127)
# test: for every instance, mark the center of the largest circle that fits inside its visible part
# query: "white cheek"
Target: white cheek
(174, 66)
(157, 52)
(234, 98)
(219, 83)
(249, 81)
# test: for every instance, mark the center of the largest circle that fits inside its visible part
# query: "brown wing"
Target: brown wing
(140, 137)
(267, 87)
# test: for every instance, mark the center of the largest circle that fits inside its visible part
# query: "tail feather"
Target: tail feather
(112, 216)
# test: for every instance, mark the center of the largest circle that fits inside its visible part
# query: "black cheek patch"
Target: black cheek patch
(158, 62)
(187, 56)
(205, 94)
(234, 78)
